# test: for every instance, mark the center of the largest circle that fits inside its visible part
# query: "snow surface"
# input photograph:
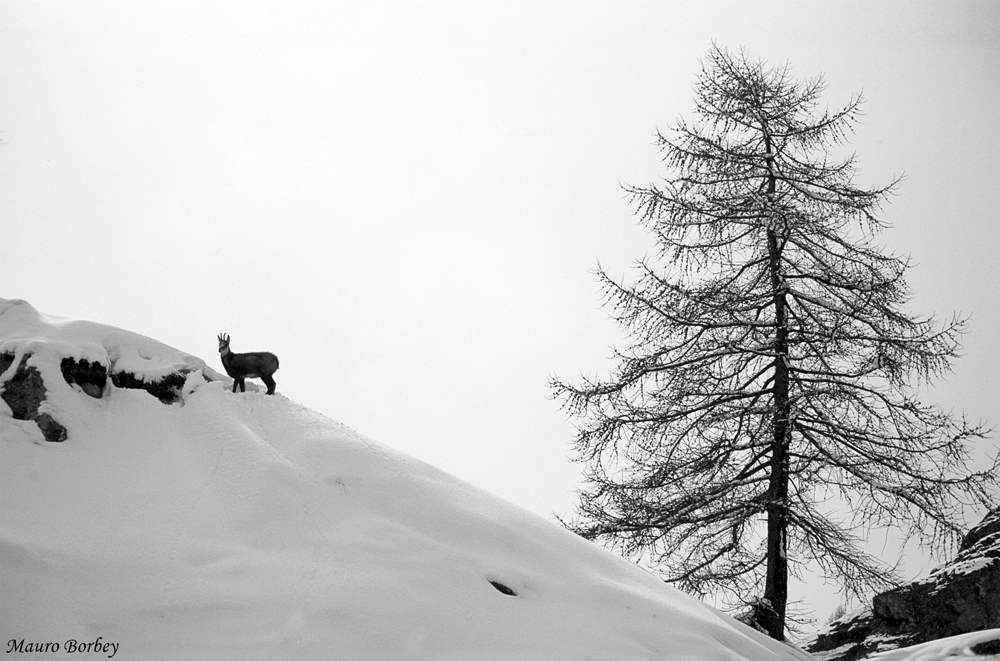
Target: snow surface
(954, 648)
(245, 526)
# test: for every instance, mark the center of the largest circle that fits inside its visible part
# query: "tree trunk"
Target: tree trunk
(771, 616)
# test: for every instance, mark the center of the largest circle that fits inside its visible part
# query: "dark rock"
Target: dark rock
(987, 647)
(6, 360)
(24, 392)
(961, 596)
(167, 390)
(850, 632)
(51, 430)
(857, 635)
(92, 377)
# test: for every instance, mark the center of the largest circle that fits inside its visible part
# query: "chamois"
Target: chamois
(242, 366)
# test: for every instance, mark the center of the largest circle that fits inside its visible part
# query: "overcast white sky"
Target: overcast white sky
(406, 201)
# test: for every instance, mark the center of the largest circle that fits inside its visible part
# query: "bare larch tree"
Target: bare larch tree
(766, 411)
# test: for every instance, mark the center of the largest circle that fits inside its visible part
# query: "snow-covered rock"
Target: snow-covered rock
(959, 597)
(242, 526)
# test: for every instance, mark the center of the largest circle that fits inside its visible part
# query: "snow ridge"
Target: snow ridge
(242, 526)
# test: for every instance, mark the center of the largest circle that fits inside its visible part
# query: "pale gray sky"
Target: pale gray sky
(405, 201)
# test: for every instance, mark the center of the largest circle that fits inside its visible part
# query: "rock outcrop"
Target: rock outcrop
(24, 392)
(92, 377)
(167, 389)
(960, 596)
(45, 366)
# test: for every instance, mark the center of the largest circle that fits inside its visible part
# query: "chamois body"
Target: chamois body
(242, 366)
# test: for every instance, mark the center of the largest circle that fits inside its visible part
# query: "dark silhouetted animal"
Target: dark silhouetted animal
(242, 366)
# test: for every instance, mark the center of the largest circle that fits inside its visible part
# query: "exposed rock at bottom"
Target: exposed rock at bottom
(24, 393)
(167, 389)
(6, 360)
(958, 597)
(92, 377)
(25, 390)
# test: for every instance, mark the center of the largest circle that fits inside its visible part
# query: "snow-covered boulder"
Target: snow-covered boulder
(24, 392)
(956, 598)
(242, 526)
(39, 353)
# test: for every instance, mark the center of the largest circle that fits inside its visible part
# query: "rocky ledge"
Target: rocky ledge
(958, 597)
(24, 392)
(24, 389)
(47, 362)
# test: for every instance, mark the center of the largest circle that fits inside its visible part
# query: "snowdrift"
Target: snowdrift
(243, 526)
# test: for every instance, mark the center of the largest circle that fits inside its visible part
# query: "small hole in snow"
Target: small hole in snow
(503, 588)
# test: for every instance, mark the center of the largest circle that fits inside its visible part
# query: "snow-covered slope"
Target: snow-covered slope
(243, 526)
(973, 646)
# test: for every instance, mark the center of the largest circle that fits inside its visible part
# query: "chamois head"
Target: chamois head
(223, 342)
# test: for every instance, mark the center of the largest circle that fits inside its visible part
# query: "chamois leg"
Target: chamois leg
(269, 382)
